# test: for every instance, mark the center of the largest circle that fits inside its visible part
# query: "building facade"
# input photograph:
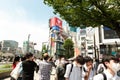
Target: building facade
(9, 46)
(109, 42)
(57, 35)
(28, 47)
(95, 42)
(85, 39)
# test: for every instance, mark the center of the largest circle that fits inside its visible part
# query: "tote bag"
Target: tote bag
(16, 71)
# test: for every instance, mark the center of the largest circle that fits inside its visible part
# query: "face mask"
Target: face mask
(115, 67)
(62, 61)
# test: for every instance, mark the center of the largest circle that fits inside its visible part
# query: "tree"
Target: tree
(69, 48)
(80, 13)
(44, 49)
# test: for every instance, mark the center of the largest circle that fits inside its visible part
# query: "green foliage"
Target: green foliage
(5, 68)
(69, 48)
(88, 12)
(44, 49)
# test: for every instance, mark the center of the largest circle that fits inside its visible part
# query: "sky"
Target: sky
(19, 18)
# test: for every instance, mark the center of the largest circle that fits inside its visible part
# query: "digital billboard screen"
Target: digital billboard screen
(55, 22)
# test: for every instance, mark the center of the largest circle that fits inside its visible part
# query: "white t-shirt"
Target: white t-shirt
(108, 75)
(57, 62)
(99, 66)
(92, 72)
(76, 73)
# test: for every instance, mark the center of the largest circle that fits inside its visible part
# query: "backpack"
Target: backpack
(101, 70)
(60, 71)
(118, 73)
(72, 69)
(104, 76)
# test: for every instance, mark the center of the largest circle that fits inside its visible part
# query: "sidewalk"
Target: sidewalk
(36, 77)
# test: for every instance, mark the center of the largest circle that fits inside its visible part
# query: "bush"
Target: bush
(5, 68)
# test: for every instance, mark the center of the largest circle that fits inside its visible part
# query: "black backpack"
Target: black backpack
(101, 70)
(72, 69)
(60, 71)
(118, 73)
(104, 76)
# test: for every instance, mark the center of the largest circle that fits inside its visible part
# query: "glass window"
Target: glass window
(90, 47)
(82, 38)
(109, 33)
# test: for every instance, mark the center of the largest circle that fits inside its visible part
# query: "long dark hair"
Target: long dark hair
(16, 59)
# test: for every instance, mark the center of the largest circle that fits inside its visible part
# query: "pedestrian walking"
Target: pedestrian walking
(53, 75)
(29, 67)
(100, 68)
(61, 68)
(20, 71)
(14, 69)
(45, 68)
(88, 69)
(112, 66)
(74, 70)
(15, 62)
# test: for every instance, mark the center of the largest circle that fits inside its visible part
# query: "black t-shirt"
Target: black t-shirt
(28, 70)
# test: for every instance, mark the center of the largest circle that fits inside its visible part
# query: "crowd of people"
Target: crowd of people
(79, 68)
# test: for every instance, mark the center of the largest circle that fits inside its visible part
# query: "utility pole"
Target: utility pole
(28, 43)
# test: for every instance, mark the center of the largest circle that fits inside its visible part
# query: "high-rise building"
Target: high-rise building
(28, 47)
(56, 36)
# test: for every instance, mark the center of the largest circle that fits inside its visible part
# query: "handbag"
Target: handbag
(16, 71)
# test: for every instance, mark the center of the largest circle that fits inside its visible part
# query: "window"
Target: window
(90, 53)
(90, 47)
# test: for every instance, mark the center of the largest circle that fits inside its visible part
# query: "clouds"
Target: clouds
(12, 28)
(19, 18)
